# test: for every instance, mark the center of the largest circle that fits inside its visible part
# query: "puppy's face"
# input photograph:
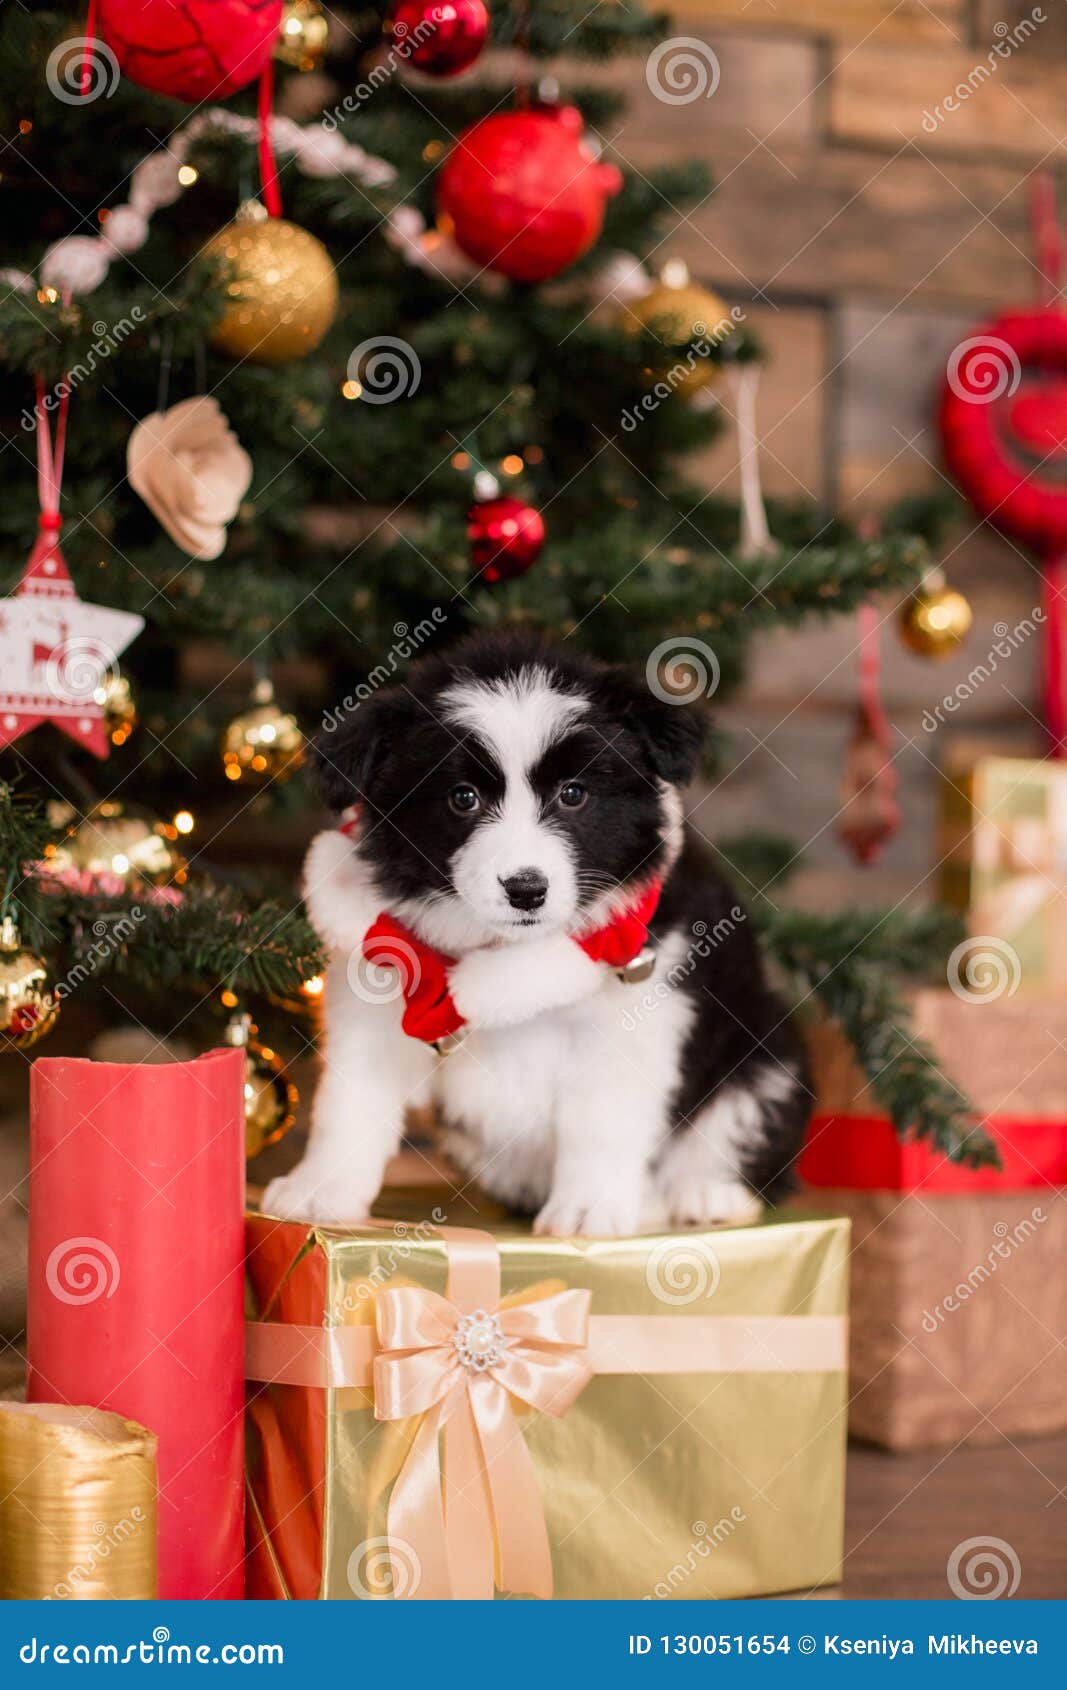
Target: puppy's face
(502, 800)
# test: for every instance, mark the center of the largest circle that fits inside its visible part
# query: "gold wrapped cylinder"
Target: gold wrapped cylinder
(77, 1504)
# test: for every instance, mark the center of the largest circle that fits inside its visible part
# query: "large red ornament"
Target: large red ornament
(440, 37)
(194, 50)
(523, 193)
(1004, 428)
(506, 537)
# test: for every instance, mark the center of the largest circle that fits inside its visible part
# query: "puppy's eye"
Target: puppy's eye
(465, 800)
(573, 795)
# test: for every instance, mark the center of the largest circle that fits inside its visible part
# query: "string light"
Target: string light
(184, 821)
(314, 987)
(512, 464)
(187, 175)
(351, 389)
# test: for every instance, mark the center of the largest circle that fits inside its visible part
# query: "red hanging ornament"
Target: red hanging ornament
(440, 37)
(56, 653)
(506, 538)
(1003, 425)
(870, 814)
(194, 50)
(523, 193)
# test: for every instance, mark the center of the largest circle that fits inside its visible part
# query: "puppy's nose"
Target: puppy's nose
(526, 890)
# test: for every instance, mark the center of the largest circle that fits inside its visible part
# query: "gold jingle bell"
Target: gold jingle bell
(936, 620)
(684, 315)
(280, 288)
(117, 848)
(28, 1006)
(263, 743)
(302, 39)
(270, 1099)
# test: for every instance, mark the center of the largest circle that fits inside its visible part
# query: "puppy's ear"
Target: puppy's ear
(347, 758)
(671, 733)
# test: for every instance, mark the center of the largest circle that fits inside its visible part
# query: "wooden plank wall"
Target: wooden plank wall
(867, 229)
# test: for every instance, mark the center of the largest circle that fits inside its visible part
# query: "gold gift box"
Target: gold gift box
(1004, 863)
(724, 1479)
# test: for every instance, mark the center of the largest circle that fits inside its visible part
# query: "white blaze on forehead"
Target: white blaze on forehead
(516, 719)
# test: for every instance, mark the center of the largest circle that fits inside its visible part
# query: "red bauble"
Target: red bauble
(523, 194)
(440, 37)
(506, 537)
(194, 50)
(1004, 425)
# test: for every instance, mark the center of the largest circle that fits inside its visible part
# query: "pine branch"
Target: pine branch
(850, 964)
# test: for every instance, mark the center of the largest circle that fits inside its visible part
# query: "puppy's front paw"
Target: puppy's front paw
(565, 1216)
(710, 1202)
(316, 1194)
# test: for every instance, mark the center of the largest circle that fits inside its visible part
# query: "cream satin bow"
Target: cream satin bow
(458, 1363)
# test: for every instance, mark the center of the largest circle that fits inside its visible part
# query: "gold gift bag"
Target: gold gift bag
(441, 1411)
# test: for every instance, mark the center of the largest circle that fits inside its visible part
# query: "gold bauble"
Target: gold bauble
(270, 1098)
(263, 743)
(28, 1008)
(935, 620)
(281, 288)
(302, 41)
(117, 847)
(115, 698)
(682, 314)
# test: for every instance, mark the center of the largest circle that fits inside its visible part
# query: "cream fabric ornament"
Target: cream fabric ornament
(191, 471)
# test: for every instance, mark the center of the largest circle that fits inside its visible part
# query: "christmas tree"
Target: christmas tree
(304, 448)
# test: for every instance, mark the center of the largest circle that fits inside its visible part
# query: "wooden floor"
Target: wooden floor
(907, 1513)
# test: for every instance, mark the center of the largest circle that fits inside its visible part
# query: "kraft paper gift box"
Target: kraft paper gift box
(437, 1411)
(959, 1299)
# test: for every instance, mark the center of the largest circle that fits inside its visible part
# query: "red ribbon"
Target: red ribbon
(268, 170)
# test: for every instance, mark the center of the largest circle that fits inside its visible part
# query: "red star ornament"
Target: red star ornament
(56, 651)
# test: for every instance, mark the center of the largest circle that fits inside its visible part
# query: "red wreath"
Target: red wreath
(1003, 424)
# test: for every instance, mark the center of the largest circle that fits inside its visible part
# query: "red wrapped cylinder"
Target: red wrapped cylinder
(135, 1281)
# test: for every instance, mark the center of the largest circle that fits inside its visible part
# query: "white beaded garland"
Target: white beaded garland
(76, 264)
(79, 263)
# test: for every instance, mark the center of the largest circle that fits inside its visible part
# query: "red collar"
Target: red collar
(429, 1012)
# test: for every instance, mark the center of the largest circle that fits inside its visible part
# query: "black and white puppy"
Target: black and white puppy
(509, 797)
